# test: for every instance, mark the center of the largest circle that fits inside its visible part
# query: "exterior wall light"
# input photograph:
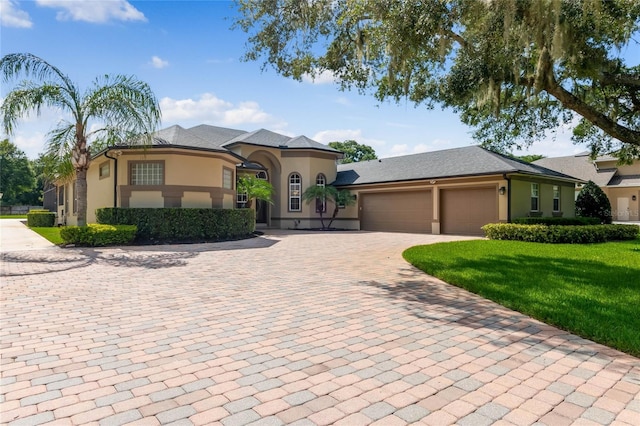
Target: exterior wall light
(502, 190)
(633, 197)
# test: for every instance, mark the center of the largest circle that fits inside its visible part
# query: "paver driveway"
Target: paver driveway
(317, 328)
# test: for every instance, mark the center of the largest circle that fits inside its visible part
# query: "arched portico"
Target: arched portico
(274, 170)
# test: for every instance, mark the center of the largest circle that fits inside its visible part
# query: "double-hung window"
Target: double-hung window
(295, 192)
(556, 198)
(535, 197)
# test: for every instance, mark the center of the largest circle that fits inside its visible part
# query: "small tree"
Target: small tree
(593, 202)
(324, 194)
(256, 188)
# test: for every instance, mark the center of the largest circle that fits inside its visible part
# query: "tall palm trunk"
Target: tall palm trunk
(80, 159)
(81, 188)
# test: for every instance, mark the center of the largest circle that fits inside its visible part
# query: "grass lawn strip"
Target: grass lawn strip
(590, 290)
(52, 234)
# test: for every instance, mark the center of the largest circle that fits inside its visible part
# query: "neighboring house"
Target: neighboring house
(621, 183)
(454, 191)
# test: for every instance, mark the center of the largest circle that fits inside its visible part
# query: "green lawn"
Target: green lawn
(52, 234)
(13, 216)
(591, 290)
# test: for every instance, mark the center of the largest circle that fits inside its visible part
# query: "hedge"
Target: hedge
(174, 225)
(567, 221)
(40, 219)
(95, 235)
(558, 234)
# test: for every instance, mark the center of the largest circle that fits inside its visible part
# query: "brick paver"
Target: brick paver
(292, 327)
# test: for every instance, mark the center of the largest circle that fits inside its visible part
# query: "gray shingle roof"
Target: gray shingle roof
(216, 135)
(263, 137)
(178, 136)
(626, 180)
(455, 162)
(579, 166)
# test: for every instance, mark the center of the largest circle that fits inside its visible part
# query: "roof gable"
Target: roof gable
(579, 166)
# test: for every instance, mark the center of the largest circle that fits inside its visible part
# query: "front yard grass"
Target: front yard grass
(52, 234)
(13, 216)
(591, 290)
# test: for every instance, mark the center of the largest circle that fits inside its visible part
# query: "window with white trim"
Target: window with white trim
(147, 173)
(295, 192)
(535, 197)
(556, 198)
(321, 203)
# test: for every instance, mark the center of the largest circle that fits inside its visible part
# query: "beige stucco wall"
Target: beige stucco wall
(99, 191)
(148, 199)
(281, 164)
(189, 173)
(521, 197)
(632, 212)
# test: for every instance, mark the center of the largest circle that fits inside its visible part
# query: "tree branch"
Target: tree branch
(609, 126)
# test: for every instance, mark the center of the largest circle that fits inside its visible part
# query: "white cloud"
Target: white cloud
(340, 135)
(323, 77)
(94, 11)
(12, 16)
(211, 109)
(343, 101)
(158, 62)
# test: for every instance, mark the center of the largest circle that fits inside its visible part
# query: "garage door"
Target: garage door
(464, 211)
(397, 211)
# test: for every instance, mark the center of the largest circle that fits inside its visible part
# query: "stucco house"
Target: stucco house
(454, 191)
(621, 183)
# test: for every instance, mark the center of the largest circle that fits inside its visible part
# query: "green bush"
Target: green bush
(593, 202)
(40, 218)
(567, 221)
(172, 225)
(558, 234)
(95, 235)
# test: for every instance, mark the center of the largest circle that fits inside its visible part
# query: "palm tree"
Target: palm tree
(323, 194)
(254, 187)
(124, 108)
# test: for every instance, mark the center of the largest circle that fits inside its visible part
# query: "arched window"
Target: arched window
(321, 203)
(295, 192)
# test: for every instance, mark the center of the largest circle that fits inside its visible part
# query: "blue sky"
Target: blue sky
(191, 58)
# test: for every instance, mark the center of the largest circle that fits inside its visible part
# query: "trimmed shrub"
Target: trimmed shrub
(173, 225)
(593, 202)
(40, 219)
(95, 235)
(566, 221)
(558, 234)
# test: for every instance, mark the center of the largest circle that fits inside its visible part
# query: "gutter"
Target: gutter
(115, 178)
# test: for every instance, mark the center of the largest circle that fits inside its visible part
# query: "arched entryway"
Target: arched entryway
(265, 212)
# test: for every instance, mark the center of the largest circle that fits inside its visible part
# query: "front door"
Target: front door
(623, 208)
(262, 211)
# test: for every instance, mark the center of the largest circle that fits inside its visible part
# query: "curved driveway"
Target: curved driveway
(292, 327)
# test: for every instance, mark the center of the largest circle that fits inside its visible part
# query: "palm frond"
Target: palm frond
(30, 65)
(29, 97)
(127, 107)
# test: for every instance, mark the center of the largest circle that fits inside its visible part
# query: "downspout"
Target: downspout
(115, 179)
(508, 179)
